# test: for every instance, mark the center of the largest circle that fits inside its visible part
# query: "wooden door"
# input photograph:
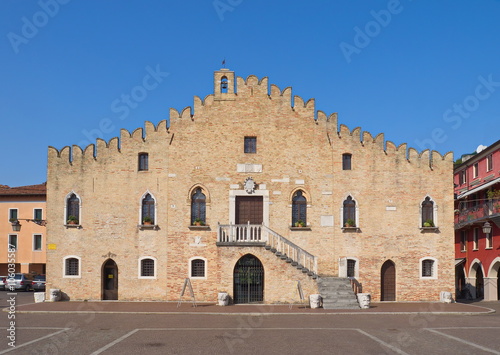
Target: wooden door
(249, 209)
(388, 281)
(110, 280)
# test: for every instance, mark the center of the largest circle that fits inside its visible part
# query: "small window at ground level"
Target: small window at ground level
(197, 268)
(351, 268)
(427, 268)
(147, 267)
(72, 267)
(250, 144)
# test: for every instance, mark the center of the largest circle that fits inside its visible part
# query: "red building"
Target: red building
(477, 224)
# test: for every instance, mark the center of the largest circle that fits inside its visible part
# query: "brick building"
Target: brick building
(22, 228)
(248, 192)
(477, 222)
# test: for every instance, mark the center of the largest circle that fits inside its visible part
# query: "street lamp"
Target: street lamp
(486, 228)
(16, 226)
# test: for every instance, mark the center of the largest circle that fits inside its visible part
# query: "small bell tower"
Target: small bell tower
(224, 84)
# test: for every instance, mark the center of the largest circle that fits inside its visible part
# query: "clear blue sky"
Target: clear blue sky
(424, 72)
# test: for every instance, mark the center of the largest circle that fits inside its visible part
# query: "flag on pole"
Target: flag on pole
(224, 62)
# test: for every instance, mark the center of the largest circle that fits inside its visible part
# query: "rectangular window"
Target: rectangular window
(197, 268)
(463, 177)
(489, 241)
(37, 242)
(463, 240)
(427, 268)
(72, 267)
(147, 268)
(13, 241)
(489, 162)
(475, 243)
(143, 161)
(351, 268)
(346, 161)
(12, 214)
(37, 214)
(250, 144)
(475, 170)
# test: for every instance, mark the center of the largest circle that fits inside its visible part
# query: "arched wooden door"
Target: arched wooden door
(109, 280)
(248, 278)
(388, 281)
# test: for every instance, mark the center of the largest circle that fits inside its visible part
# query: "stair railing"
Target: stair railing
(291, 250)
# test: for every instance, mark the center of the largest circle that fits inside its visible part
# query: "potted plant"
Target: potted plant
(147, 220)
(198, 222)
(300, 223)
(428, 223)
(72, 220)
(350, 223)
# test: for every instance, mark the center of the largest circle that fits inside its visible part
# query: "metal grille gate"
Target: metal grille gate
(248, 280)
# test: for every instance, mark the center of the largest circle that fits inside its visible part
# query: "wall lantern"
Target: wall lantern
(16, 226)
(487, 228)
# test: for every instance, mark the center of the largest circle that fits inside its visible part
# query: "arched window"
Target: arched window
(73, 208)
(346, 161)
(198, 207)
(349, 217)
(198, 268)
(299, 209)
(148, 209)
(223, 84)
(428, 213)
(147, 268)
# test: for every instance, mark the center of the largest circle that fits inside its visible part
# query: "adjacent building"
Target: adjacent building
(248, 192)
(22, 229)
(477, 225)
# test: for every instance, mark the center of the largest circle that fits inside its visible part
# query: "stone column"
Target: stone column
(490, 288)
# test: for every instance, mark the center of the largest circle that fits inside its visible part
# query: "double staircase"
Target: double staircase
(337, 293)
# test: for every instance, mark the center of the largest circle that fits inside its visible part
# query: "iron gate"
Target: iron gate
(248, 280)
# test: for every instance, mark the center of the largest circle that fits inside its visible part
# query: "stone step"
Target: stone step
(337, 293)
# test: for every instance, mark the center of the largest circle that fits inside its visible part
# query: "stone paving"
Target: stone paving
(188, 307)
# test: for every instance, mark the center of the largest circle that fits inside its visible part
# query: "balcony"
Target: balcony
(257, 235)
(482, 211)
